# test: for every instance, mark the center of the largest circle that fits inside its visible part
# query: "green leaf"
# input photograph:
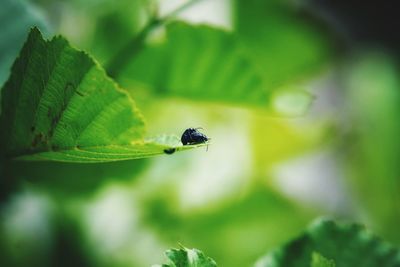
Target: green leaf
(347, 245)
(58, 104)
(184, 257)
(210, 64)
(320, 261)
(16, 18)
(281, 40)
(200, 63)
(272, 47)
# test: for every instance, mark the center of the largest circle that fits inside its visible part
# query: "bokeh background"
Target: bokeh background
(326, 143)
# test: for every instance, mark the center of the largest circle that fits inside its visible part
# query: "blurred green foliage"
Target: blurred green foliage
(268, 89)
(317, 260)
(202, 62)
(281, 40)
(197, 62)
(346, 244)
(373, 99)
(247, 218)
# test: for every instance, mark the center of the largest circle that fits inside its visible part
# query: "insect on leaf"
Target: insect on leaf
(58, 104)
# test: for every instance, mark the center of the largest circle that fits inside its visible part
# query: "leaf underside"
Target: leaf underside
(58, 104)
(107, 153)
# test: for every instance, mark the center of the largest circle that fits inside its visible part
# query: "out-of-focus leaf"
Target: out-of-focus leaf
(281, 42)
(58, 104)
(109, 27)
(16, 18)
(240, 222)
(45, 234)
(373, 150)
(318, 260)
(184, 257)
(347, 244)
(197, 62)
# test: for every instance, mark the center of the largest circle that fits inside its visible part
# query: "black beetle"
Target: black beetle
(192, 136)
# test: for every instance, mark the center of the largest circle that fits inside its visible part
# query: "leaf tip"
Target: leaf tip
(35, 33)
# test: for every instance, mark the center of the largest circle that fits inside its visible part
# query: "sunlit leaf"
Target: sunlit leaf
(346, 244)
(58, 104)
(184, 257)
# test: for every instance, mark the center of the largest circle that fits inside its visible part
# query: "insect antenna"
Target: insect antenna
(208, 139)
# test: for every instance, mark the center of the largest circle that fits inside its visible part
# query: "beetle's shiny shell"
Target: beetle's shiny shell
(192, 136)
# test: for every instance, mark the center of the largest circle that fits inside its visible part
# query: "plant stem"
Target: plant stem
(123, 56)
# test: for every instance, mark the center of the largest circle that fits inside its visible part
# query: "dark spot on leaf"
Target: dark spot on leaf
(32, 129)
(169, 151)
(38, 139)
(69, 90)
(79, 93)
(35, 140)
(54, 122)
